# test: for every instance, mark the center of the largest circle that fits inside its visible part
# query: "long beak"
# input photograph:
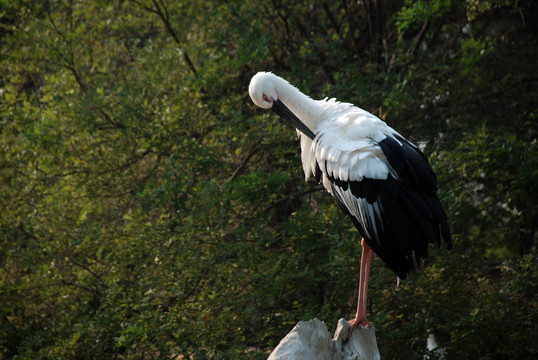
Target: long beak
(286, 114)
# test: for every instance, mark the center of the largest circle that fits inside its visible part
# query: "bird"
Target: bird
(382, 181)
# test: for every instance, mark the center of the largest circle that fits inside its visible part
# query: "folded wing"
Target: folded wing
(388, 189)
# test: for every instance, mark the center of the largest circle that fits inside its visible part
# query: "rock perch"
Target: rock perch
(310, 340)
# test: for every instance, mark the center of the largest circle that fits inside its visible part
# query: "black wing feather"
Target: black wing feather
(411, 215)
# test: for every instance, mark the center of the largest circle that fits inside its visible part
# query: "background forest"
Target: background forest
(149, 210)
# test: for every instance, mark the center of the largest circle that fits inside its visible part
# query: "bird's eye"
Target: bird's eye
(265, 98)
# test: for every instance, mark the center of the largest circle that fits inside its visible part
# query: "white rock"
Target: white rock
(310, 340)
(434, 351)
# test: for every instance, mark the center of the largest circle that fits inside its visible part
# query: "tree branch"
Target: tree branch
(162, 11)
(84, 267)
(244, 162)
(418, 38)
(294, 196)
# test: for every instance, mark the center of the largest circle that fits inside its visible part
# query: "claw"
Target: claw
(363, 323)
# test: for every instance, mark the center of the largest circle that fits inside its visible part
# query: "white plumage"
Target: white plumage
(381, 180)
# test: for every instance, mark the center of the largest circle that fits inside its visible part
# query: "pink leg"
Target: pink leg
(366, 260)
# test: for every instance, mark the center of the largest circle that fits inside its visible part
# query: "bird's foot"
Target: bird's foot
(362, 322)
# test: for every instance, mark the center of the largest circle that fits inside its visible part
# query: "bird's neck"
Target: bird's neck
(304, 107)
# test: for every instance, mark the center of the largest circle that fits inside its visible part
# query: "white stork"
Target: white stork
(381, 180)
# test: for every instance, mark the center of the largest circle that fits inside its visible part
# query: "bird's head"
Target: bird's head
(263, 92)
(262, 89)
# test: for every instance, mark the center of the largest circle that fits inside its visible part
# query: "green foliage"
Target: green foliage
(413, 13)
(149, 210)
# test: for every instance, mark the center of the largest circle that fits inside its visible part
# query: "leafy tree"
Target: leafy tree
(150, 211)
